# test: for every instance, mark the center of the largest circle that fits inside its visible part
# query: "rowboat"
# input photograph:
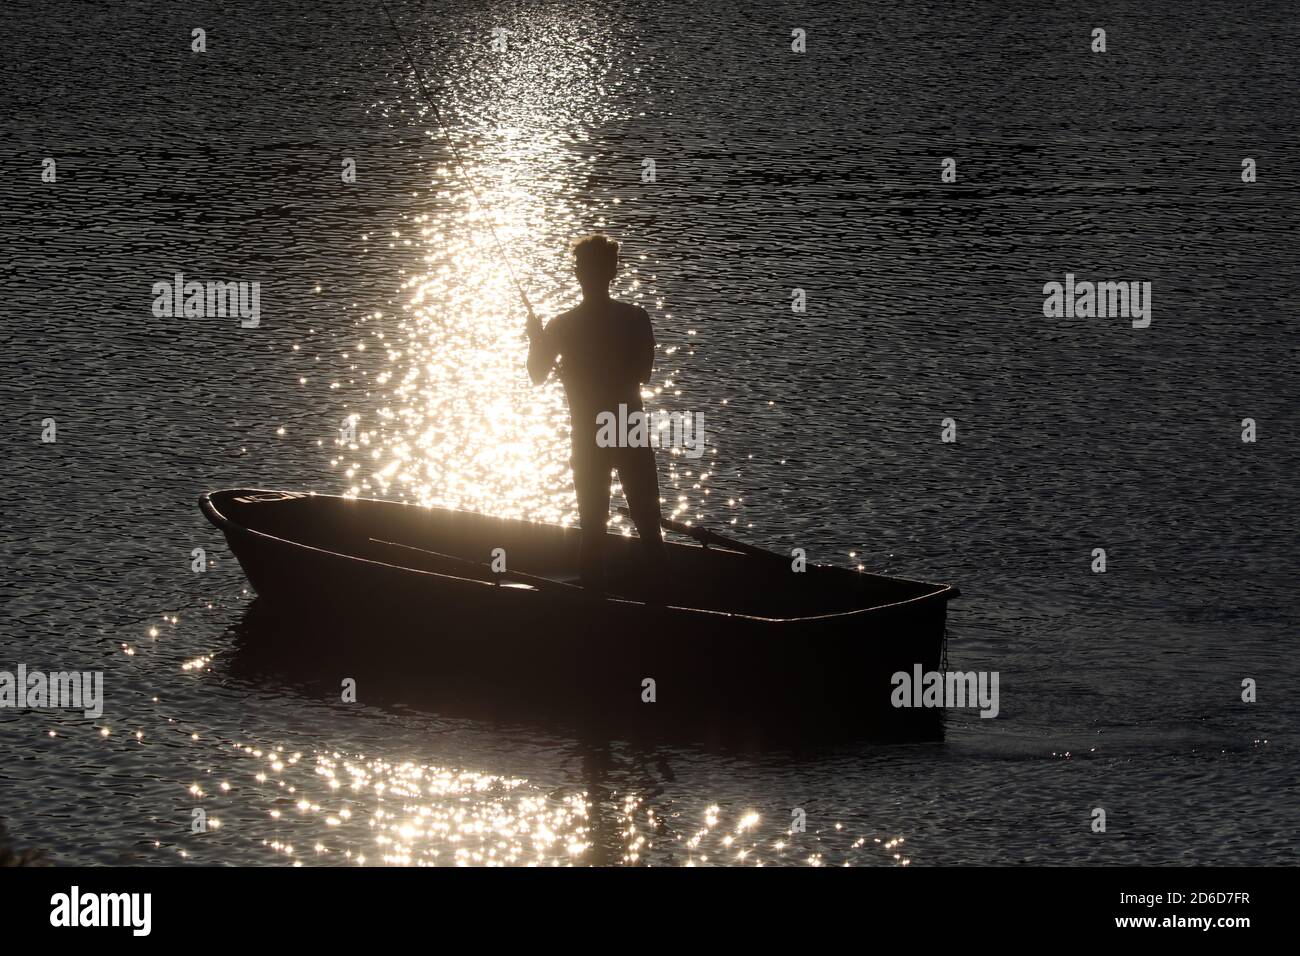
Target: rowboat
(488, 610)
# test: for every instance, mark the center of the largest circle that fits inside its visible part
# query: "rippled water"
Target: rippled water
(384, 303)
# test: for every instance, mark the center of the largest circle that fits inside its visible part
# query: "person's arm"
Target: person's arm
(543, 347)
(644, 360)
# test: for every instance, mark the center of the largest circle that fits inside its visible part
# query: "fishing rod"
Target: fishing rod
(478, 200)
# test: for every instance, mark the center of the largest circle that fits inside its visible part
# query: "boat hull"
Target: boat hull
(507, 651)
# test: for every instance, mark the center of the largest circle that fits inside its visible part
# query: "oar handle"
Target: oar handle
(706, 537)
(542, 584)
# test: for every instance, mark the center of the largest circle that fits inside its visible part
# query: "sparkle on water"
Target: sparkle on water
(449, 417)
(350, 809)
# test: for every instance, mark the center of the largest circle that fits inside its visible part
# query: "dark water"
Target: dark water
(385, 300)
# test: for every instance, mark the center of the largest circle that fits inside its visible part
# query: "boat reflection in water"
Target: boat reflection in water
(616, 802)
(744, 649)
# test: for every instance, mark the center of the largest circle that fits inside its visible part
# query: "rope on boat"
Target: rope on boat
(478, 200)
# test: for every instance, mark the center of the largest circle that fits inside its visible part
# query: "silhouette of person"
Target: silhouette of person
(606, 352)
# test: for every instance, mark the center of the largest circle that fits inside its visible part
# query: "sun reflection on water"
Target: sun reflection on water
(334, 808)
(448, 416)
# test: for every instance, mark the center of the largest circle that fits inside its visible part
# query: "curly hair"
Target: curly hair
(596, 251)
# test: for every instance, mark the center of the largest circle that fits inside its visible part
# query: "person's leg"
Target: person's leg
(591, 482)
(640, 479)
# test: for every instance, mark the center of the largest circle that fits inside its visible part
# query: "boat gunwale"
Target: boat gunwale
(221, 521)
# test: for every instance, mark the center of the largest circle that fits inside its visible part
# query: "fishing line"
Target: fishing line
(478, 200)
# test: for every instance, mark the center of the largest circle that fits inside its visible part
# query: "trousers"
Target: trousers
(640, 480)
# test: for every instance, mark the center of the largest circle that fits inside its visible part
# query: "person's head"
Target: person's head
(595, 260)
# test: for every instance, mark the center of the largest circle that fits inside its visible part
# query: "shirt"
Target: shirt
(606, 351)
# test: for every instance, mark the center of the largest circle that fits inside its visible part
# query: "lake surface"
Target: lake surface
(385, 303)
